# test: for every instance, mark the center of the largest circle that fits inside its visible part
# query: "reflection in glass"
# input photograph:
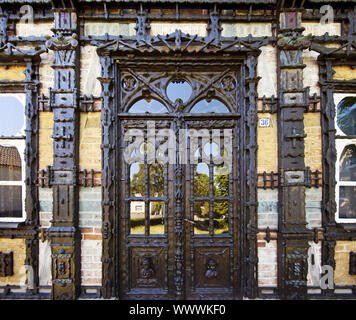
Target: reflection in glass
(156, 180)
(10, 164)
(179, 90)
(201, 180)
(346, 115)
(348, 164)
(10, 201)
(12, 117)
(347, 202)
(221, 181)
(221, 217)
(157, 210)
(142, 106)
(201, 217)
(208, 107)
(137, 217)
(211, 149)
(137, 180)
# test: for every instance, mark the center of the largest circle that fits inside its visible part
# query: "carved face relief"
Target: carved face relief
(211, 272)
(146, 270)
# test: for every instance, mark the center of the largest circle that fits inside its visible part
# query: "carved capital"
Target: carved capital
(62, 43)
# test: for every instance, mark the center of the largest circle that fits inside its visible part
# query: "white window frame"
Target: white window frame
(340, 145)
(20, 145)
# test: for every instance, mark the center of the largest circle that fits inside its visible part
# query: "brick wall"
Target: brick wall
(46, 73)
(90, 140)
(45, 148)
(267, 209)
(342, 260)
(267, 70)
(12, 73)
(267, 152)
(267, 262)
(90, 220)
(313, 199)
(313, 151)
(17, 246)
(90, 70)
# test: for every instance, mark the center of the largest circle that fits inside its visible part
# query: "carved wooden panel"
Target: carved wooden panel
(212, 268)
(148, 270)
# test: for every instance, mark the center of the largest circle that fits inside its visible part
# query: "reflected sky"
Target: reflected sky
(12, 118)
(181, 90)
(142, 106)
(214, 105)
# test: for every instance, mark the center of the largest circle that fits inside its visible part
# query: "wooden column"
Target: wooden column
(293, 98)
(64, 233)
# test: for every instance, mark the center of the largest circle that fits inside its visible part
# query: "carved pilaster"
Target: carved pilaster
(31, 160)
(179, 215)
(3, 27)
(329, 159)
(64, 232)
(250, 163)
(293, 97)
(108, 127)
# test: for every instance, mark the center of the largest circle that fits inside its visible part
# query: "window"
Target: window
(346, 157)
(12, 148)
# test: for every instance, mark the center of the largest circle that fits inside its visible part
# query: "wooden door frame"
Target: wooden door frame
(111, 56)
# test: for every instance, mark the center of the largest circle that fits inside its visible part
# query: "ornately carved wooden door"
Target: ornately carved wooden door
(178, 204)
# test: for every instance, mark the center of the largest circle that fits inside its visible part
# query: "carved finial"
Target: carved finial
(142, 26)
(214, 28)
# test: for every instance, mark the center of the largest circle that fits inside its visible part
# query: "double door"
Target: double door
(179, 207)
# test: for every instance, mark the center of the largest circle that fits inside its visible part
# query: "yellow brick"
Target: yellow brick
(342, 257)
(17, 246)
(13, 73)
(312, 142)
(344, 73)
(45, 140)
(267, 153)
(90, 141)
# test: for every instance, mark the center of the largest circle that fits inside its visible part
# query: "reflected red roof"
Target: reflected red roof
(9, 156)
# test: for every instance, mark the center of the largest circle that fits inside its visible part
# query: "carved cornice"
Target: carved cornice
(179, 42)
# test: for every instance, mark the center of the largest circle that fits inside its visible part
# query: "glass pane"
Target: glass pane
(221, 181)
(214, 106)
(10, 164)
(137, 217)
(12, 118)
(156, 180)
(221, 217)
(346, 115)
(142, 106)
(157, 210)
(137, 180)
(347, 202)
(201, 217)
(201, 180)
(348, 164)
(211, 149)
(179, 90)
(10, 201)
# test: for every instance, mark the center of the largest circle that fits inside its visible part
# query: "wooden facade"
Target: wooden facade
(132, 60)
